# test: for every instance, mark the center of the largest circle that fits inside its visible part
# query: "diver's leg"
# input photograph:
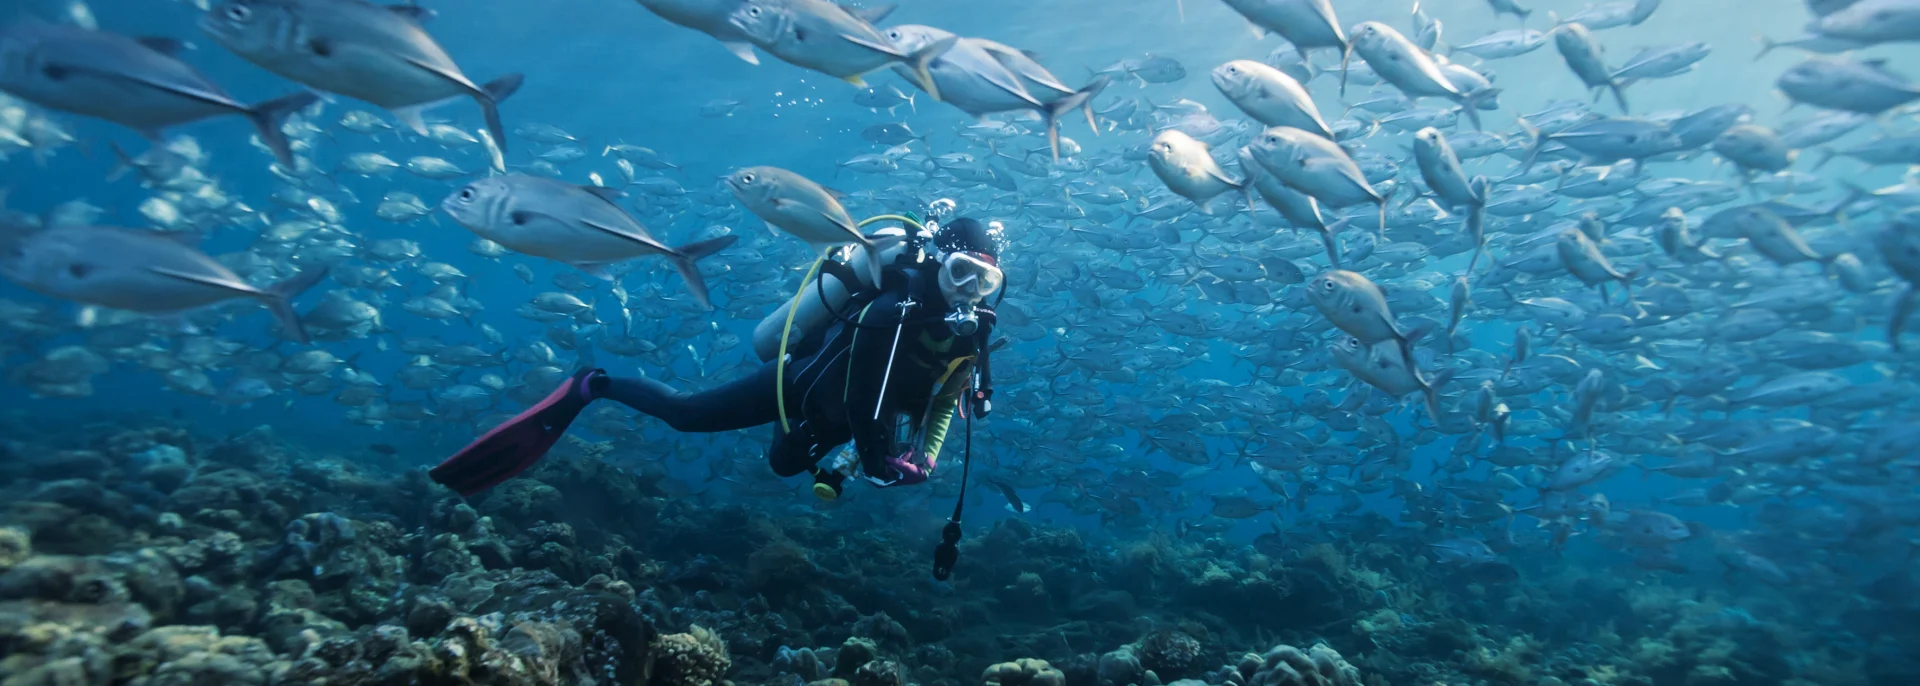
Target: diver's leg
(744, 402)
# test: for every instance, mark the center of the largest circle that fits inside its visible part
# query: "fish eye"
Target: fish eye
(746, 178)
(466, 193)
(238, 12)
(753, 11)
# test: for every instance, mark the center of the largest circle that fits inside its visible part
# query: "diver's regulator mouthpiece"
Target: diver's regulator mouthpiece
(964, 319)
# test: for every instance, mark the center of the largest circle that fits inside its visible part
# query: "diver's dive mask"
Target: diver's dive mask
(966, 280)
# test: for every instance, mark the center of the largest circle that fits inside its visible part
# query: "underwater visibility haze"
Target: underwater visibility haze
(1007, 342)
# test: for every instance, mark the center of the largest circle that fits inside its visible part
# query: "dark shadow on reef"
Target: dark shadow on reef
(156, 556)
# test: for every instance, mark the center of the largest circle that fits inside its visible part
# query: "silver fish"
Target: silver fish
(139, 83)
(375, 53)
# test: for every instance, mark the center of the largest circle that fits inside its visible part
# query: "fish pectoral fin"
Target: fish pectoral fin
(1222, 178)
(419, 15)
(617, 232)
(165, 45)
(410, 117)
(210, 97)
(604, 193)
(742, 50)
(451, 74)
(851, 230)
(205, 280)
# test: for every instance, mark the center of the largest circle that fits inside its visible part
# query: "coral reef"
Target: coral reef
(1289, 666)
(151, 556)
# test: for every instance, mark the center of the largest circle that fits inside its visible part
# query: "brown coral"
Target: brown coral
(1024, 672)
(695, 658)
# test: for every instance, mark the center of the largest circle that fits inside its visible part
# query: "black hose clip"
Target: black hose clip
(948, 552)
(982, 402)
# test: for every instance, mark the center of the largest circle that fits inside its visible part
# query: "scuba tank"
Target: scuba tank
(814, 315)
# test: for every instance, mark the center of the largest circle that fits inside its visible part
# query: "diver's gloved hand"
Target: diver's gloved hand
(910, 470)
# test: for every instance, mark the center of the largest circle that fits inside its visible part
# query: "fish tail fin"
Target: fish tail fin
(1384, 201)
(490, 96)
(1766, 45)
(1058, 108)
(1346, 57)
(269, 115)
(1332, 245)
(122, 162)
(279, 299)
(1092, 89)
(686, 260)
(1619, 94)
(1855, 193)
(874, 264)
(1430, 392)
(921, 62)
(1470, 105)
(1533, 149)
(1902, 308)
(1826, 155)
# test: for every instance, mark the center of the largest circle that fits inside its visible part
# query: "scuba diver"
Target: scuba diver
(884, 365)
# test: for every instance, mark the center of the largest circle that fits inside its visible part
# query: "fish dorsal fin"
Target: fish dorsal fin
(871, 15)
(171, 47)
(604, 193)
(1879, 65)
(420, 15)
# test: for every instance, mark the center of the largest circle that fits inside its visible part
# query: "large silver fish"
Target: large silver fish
(830, 39)
(138, 83)
(370, 52)
(139, 271)
(984, 77)
(576, 225)
(795, 204)
(711, 17)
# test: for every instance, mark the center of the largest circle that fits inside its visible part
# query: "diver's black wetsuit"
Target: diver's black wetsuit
(832, 390)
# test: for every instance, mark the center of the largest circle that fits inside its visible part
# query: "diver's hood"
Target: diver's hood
(969, 278)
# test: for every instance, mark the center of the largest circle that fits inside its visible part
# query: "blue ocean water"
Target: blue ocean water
(1802, 560)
